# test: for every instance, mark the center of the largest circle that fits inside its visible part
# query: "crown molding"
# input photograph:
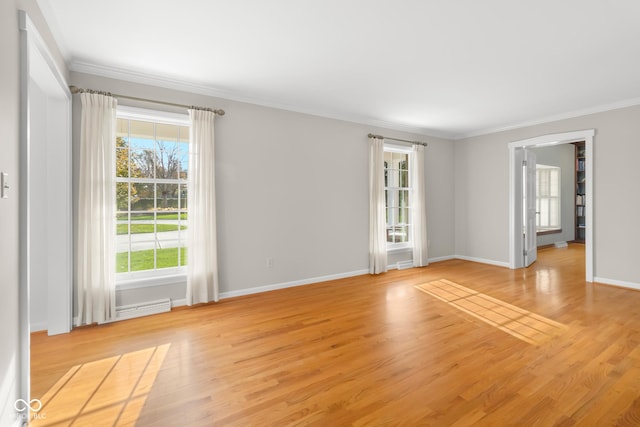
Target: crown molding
(207, 90)
(554, 118)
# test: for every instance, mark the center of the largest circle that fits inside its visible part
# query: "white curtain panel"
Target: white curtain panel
(377, 214)
(418, 207)
(202, 265)
(95, 281)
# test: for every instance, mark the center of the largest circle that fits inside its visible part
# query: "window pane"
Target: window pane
(183, 197)
(167, 160)
(141, 130)
(554, 212)
(183, 255)
(142, 260)
(122, 157)
(388, 158)
(183, 160)
(142, 161)
(392, 200)
(403, 198)
(183, 134)
(122, 262)
(400, 161)
(395, 214)
(390, 235)
(167, 196)
(402, 234)
(168, 256)
(144, 197)
(403, 178)
(122, 128)
(122, 196)
(166, 132)
(554, 183)
(403, 216)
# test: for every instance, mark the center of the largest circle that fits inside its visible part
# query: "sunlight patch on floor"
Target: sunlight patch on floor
(522, 324)
(110, 391)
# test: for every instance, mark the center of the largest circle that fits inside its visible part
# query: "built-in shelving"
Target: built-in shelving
(580, 208)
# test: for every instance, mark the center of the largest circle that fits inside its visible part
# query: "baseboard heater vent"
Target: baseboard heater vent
(561, 244)
(403, 265)
(143, 309)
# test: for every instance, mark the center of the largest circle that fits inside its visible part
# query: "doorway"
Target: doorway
(516, 211)
(46, 257)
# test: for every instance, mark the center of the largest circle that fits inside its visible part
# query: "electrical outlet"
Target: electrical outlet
(269, 262)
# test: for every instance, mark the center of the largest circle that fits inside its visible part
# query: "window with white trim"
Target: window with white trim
(547, 198)
(152, 158)
(397, 190)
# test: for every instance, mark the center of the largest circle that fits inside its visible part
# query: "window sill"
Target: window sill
(551, 231)
(123, 284)
(399, 250)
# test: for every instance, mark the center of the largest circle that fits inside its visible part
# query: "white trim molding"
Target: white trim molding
(618, 283)
(483, 261)
(302, 282)
(515, 214)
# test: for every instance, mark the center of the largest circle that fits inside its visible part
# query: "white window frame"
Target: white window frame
(144, 278)
(401, 246)
(539, 199)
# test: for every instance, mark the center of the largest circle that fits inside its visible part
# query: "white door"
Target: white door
(529, 208)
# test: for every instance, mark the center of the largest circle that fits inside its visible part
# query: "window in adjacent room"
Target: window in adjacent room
(547, 198)
(397, 189)
(152, 158)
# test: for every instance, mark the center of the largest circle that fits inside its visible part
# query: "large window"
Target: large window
(547, 198)
(151, 195)
(397, 188)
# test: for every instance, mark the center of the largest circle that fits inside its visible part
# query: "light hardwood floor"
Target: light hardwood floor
(359, 351)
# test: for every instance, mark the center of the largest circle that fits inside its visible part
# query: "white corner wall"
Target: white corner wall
(292, 187)
(482, 192)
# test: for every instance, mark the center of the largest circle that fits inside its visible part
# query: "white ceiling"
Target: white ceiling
(441, 67)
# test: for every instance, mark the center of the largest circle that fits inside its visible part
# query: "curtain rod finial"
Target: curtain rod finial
(74, 89)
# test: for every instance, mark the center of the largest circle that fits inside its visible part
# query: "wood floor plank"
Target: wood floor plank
(364, 351)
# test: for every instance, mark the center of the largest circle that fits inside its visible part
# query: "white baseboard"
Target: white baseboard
(442, 258)
(38, 326)
(302, 282)
(276, 286)
(178, 302)
(619, 283)
(483, 261)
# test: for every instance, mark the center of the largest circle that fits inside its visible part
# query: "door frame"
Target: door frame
(515, 193)
(37, 67)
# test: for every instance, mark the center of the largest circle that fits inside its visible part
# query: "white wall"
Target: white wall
(293, 187)
(482, 192)
(562, 156)
(38, 202)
